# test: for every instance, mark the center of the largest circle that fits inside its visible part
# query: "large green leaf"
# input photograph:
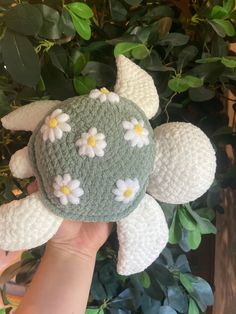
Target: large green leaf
(218, 12)
(51, 22)
(177, 299)
(144, 279)
(20, 59)
(174, 40)
(178, 84)
(229, 62)
(226, 25)
(80, 9)
(82, 26)
(193, 308)
(24, 18)
(138, 50)
(175, 231)
(194, 239)
(84, 84)
(229, 5)
(187, 220)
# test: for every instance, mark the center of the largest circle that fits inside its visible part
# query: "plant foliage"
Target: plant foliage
(56, 49)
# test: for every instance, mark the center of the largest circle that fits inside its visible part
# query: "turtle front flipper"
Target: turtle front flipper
(142, 237)
(26, 223)
(27, 117)
(20, 164)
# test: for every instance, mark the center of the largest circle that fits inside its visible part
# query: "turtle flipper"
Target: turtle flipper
(142, 236)
(137, 85)
(20, 164)
(27, 117)
(26, 223)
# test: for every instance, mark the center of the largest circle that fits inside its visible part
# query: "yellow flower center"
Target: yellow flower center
(92, 141)
(65, 189)
(53, 123)
(138, 129)
(127, 193)
(104, 90)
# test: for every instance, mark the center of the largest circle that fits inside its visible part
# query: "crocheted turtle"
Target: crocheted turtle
(93, 157)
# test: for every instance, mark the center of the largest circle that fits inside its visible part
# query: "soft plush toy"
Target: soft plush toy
(94, 158)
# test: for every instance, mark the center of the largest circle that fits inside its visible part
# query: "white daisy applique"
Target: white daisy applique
(54, 125)
(126, 190)
(104, 94)
(67, 189)
(91, 144)
(136, 133)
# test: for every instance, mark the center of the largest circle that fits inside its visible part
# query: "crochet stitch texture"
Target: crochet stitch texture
(98, 175)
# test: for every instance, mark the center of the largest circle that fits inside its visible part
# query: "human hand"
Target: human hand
(81, 238)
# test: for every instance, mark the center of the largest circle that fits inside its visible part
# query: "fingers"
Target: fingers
(32, 187)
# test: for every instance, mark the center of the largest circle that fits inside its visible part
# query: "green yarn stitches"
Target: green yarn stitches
(98, 175)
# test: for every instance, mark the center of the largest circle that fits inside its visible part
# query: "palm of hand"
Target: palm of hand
(78, 236)
(83, 237)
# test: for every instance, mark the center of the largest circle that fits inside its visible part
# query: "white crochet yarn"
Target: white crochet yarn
(142, 237)
(135, 84)
(27, 117)
(20, 164)
(26, 223)
(185, 163)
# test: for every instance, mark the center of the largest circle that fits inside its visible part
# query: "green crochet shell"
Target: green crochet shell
(98, 175)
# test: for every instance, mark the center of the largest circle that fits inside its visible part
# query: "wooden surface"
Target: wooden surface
(225, 257)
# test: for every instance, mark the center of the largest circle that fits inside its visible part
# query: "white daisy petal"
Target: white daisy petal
(127, 125)
(55, 113)
(63, 200)
(113, 98)
(116, 192)
(59, 180)
(63, 117)
(65, 127)
(104, 94)
(51, 135)
(46, 134)
(58, 133)
(78, 192)
(129, 135)
(119, 198)
(102, 97)
(94, 93)
(58, 193)
(100, 136)
(73, 200)
(66, 178)
(82, 150)
(74, 184)
(93, 131)
(121, 185)
(134, 121)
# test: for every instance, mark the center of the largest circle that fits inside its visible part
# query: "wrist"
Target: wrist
(66, 250)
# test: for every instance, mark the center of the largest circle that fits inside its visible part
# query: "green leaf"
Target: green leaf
(58, 57)
(79, 61)
(174, 40)
(187, 221)
(3, 311)
(94, 311)
(138, 50)
(24, 18)
(177, 299)
(175, 231)
(228, 5)
(178, 84)
(84, 84)
(159, 29)
(133, 2)
(65, 24)
(226, 25)
(218, 12)
(26, 255)
(217, 28)
(185, 56)
(206, 227)
(144, 279)
(82, 26)
(193, 81)
(20, 59)
(118, 11)
(80, 9)
(194, 239)
(201, 94)
(186, 282)
(192, 308)
(51, 28)
(208, 60)
(229, 62)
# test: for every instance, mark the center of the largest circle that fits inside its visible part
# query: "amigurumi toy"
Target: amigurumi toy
(94, 158)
